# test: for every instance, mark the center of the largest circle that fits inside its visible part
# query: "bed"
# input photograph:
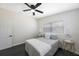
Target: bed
(41, 47)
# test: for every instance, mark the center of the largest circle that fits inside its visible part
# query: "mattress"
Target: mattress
(41, 47)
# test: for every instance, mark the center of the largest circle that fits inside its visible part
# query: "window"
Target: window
(55, 27)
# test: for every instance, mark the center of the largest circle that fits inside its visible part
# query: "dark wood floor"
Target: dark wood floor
(20, 51)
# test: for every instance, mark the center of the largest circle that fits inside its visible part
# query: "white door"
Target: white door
(5, 30)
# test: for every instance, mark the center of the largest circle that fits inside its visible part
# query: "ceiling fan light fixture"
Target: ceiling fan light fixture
(33, 8)
(32, 11)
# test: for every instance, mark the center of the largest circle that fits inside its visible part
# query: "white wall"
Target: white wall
(71, 24)
(22, 27)
(25, 27)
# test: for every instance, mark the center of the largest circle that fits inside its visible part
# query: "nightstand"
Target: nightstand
(69, 45)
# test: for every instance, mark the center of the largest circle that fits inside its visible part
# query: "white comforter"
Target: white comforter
(41, 47)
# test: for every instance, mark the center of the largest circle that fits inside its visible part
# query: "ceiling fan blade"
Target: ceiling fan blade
(39, 11)
(38, 4)
(27, 10)
(33, 13)
(27, 5)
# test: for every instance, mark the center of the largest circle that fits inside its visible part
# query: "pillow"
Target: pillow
(54, 37)
(47, 35)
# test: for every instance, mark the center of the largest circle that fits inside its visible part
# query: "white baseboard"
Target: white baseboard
(18, 44)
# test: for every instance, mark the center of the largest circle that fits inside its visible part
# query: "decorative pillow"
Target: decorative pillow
(54, 37)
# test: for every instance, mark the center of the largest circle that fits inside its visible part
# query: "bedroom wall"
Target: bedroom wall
(71, 24)
(23, 27)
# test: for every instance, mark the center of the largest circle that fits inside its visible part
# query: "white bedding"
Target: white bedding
(49, 41)
(41, 47)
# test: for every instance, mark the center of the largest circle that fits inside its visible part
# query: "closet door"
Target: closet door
(5, 30)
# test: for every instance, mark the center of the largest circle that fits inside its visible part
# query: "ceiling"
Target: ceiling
(47, 8)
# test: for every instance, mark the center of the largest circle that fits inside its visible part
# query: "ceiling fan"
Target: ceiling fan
(33, 8)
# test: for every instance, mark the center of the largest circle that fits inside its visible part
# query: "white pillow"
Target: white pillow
(47, 35)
